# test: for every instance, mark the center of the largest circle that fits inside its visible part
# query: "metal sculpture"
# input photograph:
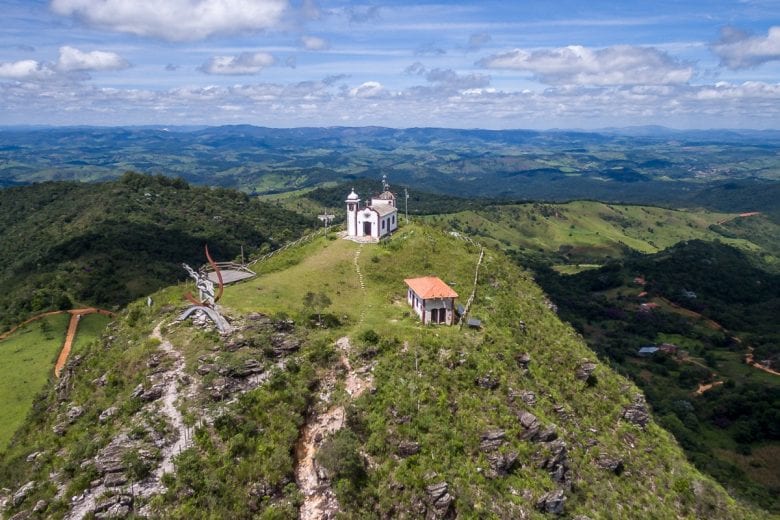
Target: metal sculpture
(206, 303)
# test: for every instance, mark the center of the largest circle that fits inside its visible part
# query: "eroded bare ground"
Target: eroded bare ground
(173, 384)
(319, 502)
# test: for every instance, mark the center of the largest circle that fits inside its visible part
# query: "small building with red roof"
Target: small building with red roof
(432, 299)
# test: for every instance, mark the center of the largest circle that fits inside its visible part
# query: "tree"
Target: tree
(317, 303)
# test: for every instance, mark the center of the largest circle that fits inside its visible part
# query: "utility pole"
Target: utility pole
(406, 196)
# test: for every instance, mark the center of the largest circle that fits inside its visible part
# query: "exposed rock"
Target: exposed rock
(528, 397)
(610, 464)
(220, 388)
(152, 394)
(488, 382)
(64, 385)
(154, 360)
(547, 434)
(523, 360)
(502, 464)
(561, 411)
(22, 493)
(250, 366)
(40, 506)
(60, 428)
(528, 420)
(637, 412)
(557, 463)
(106, 414)
(284, 325)
(491, 440)
(284, 344)
(205, 368)
(585, 370)
(74, 412)
(32, 457)
(258, 318)
(101, 381)
(552, 502)
(408, 448)
(21, 515)
(114, 479)
(117, 506)
(440, 501)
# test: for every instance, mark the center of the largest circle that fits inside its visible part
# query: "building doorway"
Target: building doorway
(367, 229)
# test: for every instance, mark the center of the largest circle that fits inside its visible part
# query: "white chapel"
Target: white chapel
(375, 220)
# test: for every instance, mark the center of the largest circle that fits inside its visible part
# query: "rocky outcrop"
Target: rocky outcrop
(502, 464)
(117, 506)
(534, 431)
(74, 412)
(585, 371)
(22, 493)
(151, 394)
(106, 414)
(523, 360)
(637, 412)
(440, 501)
(552, 502)
(557, 463)
(491, 440)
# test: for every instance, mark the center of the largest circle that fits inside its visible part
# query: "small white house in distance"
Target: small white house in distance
(432, 299)
(375, 220)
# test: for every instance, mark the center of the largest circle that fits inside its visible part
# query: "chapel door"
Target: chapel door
(367, 228)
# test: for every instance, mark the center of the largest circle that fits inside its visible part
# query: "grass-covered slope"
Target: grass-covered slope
(107, 244)
(412, 407)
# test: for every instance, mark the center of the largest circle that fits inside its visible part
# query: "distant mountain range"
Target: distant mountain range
(638, 164)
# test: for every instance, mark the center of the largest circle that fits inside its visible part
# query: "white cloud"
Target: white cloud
(25, 70)
(738, 50)
(244, 63)
(369, 89)
(314, 43)
(72, 59)
(176, 20)
(577, 65)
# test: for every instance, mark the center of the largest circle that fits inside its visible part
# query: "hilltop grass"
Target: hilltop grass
(90, 328)
(28, 358)
(586, 230)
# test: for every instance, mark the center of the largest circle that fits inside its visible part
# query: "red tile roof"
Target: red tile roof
(429, 287)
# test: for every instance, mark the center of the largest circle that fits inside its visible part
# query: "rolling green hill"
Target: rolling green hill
(106, 244)
(371, 414)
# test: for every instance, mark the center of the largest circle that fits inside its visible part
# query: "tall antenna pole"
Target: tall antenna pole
(406, 196)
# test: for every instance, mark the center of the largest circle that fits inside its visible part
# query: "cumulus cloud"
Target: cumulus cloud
(72, 59)
(25, 70)
(72, 64)
(176, 20)
(448, 78)
(369, 89)
(577, 65)
(739, 50)
(314, 43)
(243, 64)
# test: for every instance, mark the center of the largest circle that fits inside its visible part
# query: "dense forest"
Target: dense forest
(714, 302)
(105, 244)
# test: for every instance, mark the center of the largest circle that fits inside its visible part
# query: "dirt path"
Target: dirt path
(709, 386)
(319, 502)
(752, 362)
(73, 325)
(153, 484)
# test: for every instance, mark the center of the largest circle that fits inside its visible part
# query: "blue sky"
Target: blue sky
(486, 64)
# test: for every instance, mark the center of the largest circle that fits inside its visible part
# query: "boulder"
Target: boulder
(74, 412)
(408, 448)
(610, 464)
(205, 368)
(106, 414)
(32, 457)
(491, 440)
(523, 360)
(284, 344)
(40, 506)
(585, 370)
(101, 381)
(250, 366)
(557, 463)
(528, 397)
(528, 420)
(22, 493)
(552, 502)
